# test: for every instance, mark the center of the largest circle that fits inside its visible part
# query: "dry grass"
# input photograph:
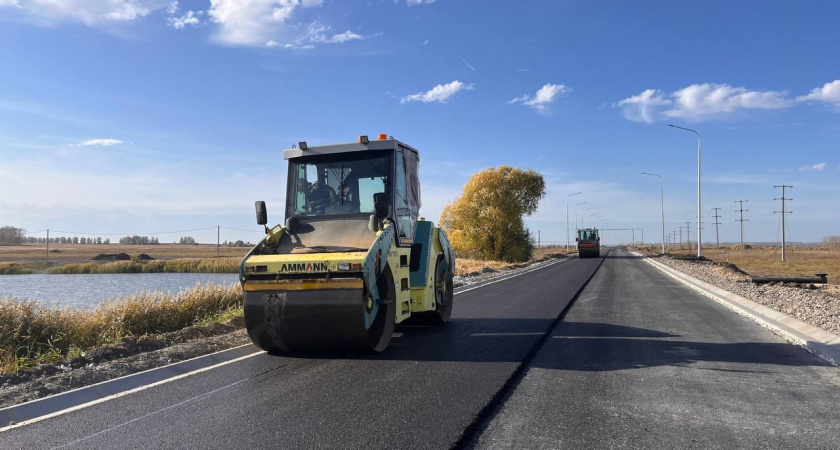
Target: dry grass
(14, 269)
(464, 266)
(196, 265)
(82, 252)
(32, 334)
(767, 261)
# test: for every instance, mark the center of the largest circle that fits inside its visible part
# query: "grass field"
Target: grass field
(767, 261)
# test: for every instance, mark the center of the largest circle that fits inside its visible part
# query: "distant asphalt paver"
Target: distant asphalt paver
(569, 355)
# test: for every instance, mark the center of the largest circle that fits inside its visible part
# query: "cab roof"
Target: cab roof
(385, 144)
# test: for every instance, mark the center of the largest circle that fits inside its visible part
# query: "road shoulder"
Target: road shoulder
(818, 341)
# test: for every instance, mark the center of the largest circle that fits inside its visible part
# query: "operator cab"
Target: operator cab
(341, 194)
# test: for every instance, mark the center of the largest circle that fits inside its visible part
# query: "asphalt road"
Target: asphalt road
(641, 361)
(638, 361)
(430, 387)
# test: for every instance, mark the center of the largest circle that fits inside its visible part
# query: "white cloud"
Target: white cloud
(544, 97)
(708, 101)
(815, 167)
(440, 93)
(700, 102)
(253, 22)
(643, 107)
(322, 34)
(703, 101)
(88, 12)
(419, 2)
(187, 19)
(829, 93)
(105, 142)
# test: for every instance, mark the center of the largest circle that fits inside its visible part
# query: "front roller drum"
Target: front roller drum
(317, 320)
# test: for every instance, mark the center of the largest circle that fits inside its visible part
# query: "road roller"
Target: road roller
(352, 258)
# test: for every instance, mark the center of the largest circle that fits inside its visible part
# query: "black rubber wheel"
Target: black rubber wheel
(382, 329)
(444, 296)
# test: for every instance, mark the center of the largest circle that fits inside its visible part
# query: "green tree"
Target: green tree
(486, 221)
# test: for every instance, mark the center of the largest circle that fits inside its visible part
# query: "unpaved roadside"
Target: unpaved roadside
(136, 354)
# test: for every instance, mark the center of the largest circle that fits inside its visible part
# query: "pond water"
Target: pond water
(85, 291)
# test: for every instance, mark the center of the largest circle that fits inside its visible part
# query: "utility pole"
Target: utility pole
(538, 238)
(218, 242)
(742, 220)
(48, 245)
(717, 217)
(568, 241)
(783, 212)
(674, 238)
(681, 228)
(688, 236)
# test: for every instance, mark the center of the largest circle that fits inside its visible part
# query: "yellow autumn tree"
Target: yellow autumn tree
(486, 221)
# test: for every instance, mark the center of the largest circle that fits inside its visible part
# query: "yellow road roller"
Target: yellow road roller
(353, 258)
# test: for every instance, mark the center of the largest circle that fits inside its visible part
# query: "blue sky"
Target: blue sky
(135, 116)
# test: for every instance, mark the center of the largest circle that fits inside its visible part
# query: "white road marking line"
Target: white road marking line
(197, 397)
(50, 397)
(128, 392)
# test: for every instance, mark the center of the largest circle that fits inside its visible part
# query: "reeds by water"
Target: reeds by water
(31, 333)
(186, 265)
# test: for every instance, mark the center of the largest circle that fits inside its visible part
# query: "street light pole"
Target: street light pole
(576, 222)
(583, 217)
(699, 212)
(568, 241)
(662, 198)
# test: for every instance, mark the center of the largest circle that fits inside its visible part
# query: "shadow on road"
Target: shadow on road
(573, 346)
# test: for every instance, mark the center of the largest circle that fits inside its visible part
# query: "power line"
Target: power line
(132, 234)
(240, 229)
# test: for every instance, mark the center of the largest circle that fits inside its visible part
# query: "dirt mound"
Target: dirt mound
(111, 257)
(144, 257)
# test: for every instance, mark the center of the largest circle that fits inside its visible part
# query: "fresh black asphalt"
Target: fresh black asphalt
(423, 392)
(639, 361)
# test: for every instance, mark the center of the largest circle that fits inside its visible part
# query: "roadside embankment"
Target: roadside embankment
(813, 304)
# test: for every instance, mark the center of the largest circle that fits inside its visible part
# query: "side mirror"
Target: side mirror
(380, 205)
(373, 223)
(577, 239)
(262, 214)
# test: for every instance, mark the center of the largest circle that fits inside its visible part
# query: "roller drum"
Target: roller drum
(316, 320)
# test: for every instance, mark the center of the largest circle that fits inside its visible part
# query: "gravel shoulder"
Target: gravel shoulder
(139, 353)
(817, 305)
